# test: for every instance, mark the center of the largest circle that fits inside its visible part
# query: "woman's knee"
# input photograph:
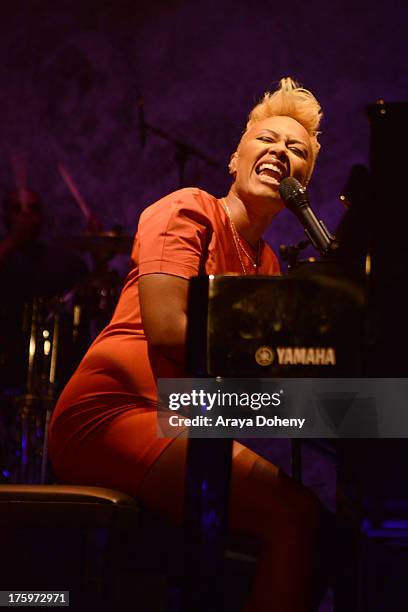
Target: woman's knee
(297, 510)
(264, 499)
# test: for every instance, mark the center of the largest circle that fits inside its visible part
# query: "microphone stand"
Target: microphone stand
(290, 253)
(184, 150)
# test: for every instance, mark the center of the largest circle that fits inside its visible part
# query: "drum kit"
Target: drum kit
(40, 352)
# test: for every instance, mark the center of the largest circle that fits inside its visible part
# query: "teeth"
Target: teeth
(267, 166)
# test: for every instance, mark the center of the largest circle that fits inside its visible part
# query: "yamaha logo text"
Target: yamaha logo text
(302, 355)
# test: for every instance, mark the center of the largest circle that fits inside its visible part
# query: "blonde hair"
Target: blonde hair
(291, 100)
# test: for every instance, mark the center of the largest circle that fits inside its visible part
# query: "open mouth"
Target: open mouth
(270, 173)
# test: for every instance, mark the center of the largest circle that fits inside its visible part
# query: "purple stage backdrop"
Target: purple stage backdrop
(72, 73)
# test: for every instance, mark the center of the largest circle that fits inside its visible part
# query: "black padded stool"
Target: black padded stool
(72, 538)
(100, 545)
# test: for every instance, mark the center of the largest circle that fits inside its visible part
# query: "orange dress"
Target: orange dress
(103, 429)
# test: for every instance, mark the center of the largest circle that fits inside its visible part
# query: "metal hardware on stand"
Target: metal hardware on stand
(290, 253)
(42, 347)
(28, 456)
(183, 150)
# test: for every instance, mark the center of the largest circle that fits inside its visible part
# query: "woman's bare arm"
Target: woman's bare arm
(163, 304)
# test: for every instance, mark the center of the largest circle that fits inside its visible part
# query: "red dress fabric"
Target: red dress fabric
(103, 429)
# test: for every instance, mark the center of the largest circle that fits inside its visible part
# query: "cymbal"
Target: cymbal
(102, 243)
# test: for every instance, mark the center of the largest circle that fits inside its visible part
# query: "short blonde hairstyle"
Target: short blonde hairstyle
(291, 100)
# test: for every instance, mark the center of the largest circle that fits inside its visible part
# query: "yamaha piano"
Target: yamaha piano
(353, 301)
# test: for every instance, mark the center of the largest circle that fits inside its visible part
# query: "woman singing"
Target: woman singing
(103, 430)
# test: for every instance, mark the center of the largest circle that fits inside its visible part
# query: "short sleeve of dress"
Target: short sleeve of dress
(174, 233)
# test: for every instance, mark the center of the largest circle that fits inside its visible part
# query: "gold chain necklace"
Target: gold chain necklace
(238, 244)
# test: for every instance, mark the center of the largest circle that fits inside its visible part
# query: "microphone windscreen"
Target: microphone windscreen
(289, 187)
(293, 194)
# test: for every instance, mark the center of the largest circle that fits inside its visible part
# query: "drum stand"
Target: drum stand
(35, 406)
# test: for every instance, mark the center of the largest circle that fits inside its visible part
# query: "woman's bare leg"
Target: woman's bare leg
(265, 505)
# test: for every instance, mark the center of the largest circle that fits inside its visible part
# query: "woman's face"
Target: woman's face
(269, 151)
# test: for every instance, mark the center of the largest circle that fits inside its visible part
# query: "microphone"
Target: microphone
(295, 198)
(142, 123)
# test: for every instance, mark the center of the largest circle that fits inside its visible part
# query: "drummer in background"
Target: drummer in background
(29, 268)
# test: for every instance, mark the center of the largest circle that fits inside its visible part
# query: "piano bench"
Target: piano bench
(102, 546)
(78, 539)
